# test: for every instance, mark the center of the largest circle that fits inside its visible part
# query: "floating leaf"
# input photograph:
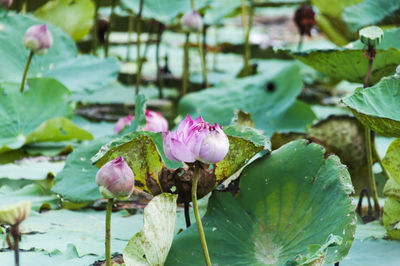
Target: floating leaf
(62, 62)
(37, 115)
(376, 106)
(293, 207)
(270, 99)
(151, 245)
(75, 17)
(371, 12)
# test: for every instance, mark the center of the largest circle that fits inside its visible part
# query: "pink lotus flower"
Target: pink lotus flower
(196, 140)
(192, 21)
(38, 39)
(154, 122)
(115, 179)
(6, 3)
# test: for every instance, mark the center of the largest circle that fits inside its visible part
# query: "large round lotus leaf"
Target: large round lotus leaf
(293, 207)
(391, 161)
(37, 115)
(270, 99)
(377, 106)
(75, 17)
(391, 218)
(62, 62)
(371, 12)
(330, 20)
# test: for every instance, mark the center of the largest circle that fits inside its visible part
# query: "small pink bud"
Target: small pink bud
(6, 3)
(115, 179)
(196, 140)
(38, 39)
(192, 21)
(122, 122)
(154, 122)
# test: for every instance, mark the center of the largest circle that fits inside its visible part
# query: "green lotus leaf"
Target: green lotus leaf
(330, 20)
(391, 161)
(151, 245)
(62, 62)
(350, 64)
(293, 207)
(376, 106)
(143, 151)
(37, 115)
(391, 216)
(270, 99)
(371, 12)
(75, 17)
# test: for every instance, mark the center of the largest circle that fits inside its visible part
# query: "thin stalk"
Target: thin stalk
(159, 74)
(107, 45)
(95, 29)
(192, 2)
(300, 44)
(246, 30)
(24, 6)
(214, 68)
(370, 64)
(28, 63)
(187, 214)
(138, 42)
(15, 236)
(108, 231)
(379, 159)
(371, 179)
(197, 216)
(130, 29)
(203, 61)
(368, 140)
(185, 74)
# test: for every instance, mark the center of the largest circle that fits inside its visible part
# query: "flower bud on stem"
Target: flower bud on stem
(108, 233)
(26, 72)
(197, 215)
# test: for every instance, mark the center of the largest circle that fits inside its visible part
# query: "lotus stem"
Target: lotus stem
(203, 60)
(108, 231)
(107, 45)
(368, 140)
(28, 63)
(197, 216)
(159, 74)
(185, 74)
(246, 30)
(15, 235)
(300, 44)
(130, 29)
(95, 29)
(138, 42)
(187, 214)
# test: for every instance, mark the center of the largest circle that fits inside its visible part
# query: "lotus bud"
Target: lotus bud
(116, 179)
(305, 19)
(122, 122)
(192, 22)
(371, 36)
(14, 214)
(154, 122)
(38, 39)
(196, 140)
(6, 3)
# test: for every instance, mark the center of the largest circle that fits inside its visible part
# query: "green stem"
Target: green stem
(15, 235)
(246, 30)
(110, 26)
(159, 74)
(378, 158)
(300, 44)
(371, 178)
(108, 231)
(28, 63)
(138, 42)
(197, 215)
(95, 28)
(130, 29)
(368, 141)
(203, 60)
(185, 74)
(215, 68)
(192, 2)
